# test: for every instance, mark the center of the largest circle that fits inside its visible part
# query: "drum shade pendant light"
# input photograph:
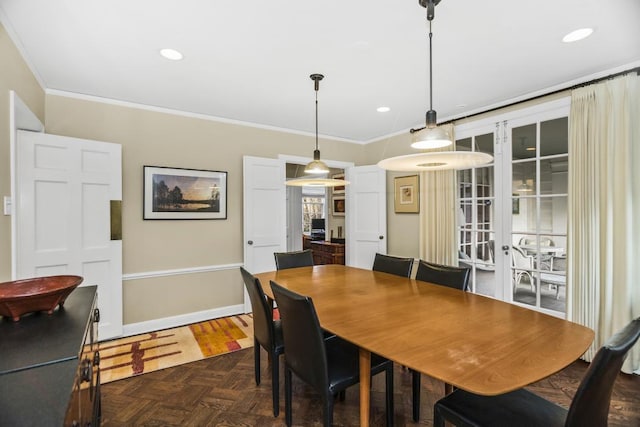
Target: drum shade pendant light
(432, 136)
(317, 166)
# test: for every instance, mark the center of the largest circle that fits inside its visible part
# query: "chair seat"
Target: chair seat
(344, 363)
(518, 408)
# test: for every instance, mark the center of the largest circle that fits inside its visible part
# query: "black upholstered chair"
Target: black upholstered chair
(330, 365)
(267, 333)
(589, 407)
(393, 265)
(294, 259)
(445, 275)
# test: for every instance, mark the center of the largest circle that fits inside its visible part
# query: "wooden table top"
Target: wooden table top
(470, 341)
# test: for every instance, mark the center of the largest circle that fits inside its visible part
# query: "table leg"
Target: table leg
(365, 386)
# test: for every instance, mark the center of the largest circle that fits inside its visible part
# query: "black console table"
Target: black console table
(50, 365)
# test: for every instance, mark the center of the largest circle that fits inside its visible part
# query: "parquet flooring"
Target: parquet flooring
(221, 391)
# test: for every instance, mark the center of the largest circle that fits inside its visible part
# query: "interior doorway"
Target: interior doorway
(316, 213)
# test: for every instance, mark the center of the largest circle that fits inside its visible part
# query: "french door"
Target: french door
(512, 216)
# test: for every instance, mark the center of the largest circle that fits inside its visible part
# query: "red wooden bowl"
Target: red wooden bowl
(37, 294)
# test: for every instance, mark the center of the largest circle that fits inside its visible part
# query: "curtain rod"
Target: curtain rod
(576, 86)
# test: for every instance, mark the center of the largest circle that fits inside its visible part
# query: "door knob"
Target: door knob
(380, 237)
(250, 242)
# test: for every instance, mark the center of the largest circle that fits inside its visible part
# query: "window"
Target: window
(313, 206)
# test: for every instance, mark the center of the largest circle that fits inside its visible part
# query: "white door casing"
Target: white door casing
(64, 189)
(366, 207)
(264, 214)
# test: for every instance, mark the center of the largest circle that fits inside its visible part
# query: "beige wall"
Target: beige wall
(14, 75)
(160, 139)
(402, 229)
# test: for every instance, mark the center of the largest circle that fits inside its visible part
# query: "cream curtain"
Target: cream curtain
(604, 210)
(438, 235)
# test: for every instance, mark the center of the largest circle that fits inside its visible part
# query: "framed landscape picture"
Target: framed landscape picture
(175, 193)
(407, 194)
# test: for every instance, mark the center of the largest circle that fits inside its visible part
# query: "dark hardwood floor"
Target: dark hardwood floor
(221, 391)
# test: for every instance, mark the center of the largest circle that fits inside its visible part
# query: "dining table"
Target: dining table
(472, 342)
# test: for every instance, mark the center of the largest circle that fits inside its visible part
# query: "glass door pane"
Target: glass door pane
(476, 217)
(539, 165)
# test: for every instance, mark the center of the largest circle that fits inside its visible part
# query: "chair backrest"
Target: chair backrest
(304, 348)
(294, 259)
(520, 260)
(590, 405)
(263, 328)
(393, 265)
(446, 275)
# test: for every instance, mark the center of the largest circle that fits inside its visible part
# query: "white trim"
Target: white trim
(180, 271)
(549, 108)
(180, 320)
(129, 104)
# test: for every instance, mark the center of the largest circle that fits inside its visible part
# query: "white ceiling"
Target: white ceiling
(250, 60)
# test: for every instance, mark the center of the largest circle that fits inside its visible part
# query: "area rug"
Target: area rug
(140, 354)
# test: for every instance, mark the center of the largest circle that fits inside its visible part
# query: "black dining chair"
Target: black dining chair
(330, 365)
(293, 259)
(393, 265)
(445, 275)
(267, 333)
(589, 407)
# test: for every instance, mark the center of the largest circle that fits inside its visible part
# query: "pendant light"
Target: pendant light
(317, 166)
(432, 136)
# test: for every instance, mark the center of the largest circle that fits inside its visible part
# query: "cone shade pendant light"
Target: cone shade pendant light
(433, 136)
(317, 166)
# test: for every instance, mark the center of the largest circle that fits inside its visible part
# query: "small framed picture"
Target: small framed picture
(337, 206)
(175, 193)
(407, 194)
(340, 188)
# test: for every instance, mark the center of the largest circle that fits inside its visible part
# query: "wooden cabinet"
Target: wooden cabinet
(50, 365)
(324, 252)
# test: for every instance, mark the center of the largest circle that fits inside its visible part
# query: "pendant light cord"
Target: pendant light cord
(316, 115)
(430, 69)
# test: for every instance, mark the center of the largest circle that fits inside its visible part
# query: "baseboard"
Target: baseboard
(180, 320)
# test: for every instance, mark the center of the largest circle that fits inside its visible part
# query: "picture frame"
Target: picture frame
(340, 188)
(407, 194)
(338, 206)
(179, 193)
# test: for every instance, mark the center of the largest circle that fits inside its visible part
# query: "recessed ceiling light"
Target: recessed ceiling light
(576, 35)
(383, 109)
(171, 54)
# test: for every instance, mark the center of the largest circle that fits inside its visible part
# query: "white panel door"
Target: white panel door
(366, 215)
(64, 191)
(264, 213)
